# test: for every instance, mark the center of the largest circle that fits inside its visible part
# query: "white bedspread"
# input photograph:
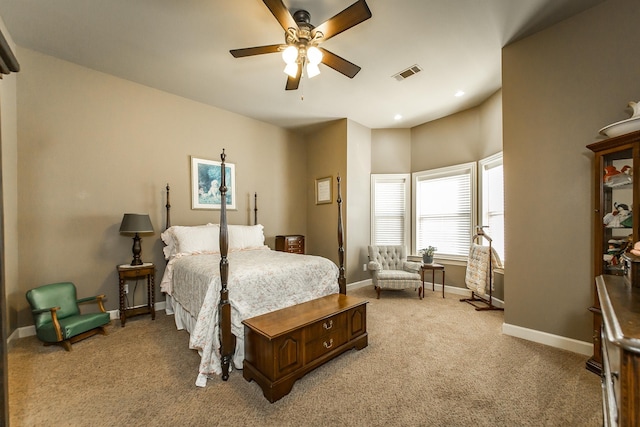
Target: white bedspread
(260, 281)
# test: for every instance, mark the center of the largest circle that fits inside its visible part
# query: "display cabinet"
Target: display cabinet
(616, 220)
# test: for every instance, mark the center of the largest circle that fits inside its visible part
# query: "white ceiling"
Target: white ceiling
(182, 47)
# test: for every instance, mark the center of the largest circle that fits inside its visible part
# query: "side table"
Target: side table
(433, 267)
(130, 272)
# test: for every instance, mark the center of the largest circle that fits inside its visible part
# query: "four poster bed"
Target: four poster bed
(219, 275)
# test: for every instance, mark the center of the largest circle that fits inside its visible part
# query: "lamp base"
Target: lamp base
(136, 249)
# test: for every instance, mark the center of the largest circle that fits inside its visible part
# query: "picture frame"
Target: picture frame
(324, 190)
(205, 184)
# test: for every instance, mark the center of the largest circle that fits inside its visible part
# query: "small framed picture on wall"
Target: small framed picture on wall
(323, 190)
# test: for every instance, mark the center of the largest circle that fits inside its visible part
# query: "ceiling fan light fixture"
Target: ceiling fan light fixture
(314, 55)
(312, 70)
(290, 55)
(291, 69)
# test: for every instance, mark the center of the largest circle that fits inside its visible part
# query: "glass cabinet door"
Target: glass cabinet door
(616, 209)
(616, 219)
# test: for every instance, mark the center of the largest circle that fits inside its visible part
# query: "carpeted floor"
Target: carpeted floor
(435, 362)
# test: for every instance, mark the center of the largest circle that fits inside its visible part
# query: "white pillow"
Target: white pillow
(246, 236)
(189, 239)
(169, 249)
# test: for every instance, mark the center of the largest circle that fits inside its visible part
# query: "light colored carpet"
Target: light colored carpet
(431, 362)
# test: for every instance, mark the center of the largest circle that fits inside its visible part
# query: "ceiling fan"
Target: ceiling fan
(302, 40)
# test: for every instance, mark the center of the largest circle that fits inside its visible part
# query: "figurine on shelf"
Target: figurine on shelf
(615, 178)
(615, 250)
(620, 217)
(636, 249)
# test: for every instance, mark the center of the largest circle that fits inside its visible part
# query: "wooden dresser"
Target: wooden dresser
(282, 346)
(292, 243)
(620, 346)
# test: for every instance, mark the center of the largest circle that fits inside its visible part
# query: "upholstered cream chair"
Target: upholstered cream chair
(390, 269)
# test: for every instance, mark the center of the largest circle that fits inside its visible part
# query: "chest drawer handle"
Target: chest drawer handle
(328, 345)
(329, 325)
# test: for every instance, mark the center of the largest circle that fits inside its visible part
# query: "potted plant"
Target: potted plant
(427, 254)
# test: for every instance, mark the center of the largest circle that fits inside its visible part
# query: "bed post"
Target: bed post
(255, 208)
(227, 343)
(342, 281)
(168, 206)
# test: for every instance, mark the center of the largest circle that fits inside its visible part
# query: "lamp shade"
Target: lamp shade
(136, 223)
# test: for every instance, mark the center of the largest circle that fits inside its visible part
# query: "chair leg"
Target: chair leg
(378, 291)
(66, 344)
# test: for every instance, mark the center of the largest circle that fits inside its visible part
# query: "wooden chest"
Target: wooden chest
(293, 243)
(620, 335)
(282, 346)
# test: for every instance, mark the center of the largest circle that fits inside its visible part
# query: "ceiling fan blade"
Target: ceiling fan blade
(258, 50)
(294, 82)
(339, 64)
(281, 13)
(350, 17)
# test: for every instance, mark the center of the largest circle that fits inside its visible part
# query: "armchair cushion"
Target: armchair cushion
(412, 266)
(72, 326)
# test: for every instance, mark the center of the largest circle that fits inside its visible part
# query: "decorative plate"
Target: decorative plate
(621, 127)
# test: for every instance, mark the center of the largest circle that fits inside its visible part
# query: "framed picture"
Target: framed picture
(205, 184)
(323, 190)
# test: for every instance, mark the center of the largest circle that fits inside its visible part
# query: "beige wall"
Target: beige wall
(559, 87)
(93, 147)
(390, 150)
(326, 156)
(9, 156)
(358, 213)
(340, 147)
(459, 138)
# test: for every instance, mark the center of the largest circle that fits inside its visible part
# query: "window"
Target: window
(445, 207)
(390, 206)
(492, 200)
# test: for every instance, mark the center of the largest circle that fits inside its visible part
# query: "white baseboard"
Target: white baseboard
(427, 285)
(564, 343)
(28, 331)
(358, 285)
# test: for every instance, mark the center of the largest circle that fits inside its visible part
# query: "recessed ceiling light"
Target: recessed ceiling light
(397, 117)
(459, 93)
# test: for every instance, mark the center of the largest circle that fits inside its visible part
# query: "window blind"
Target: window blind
(444, 209)
(389, 224)
(493, 201)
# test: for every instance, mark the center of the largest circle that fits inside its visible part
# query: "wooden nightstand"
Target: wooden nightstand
(293, 243)
(130, 272)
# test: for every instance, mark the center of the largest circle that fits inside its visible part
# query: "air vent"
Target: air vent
(414, 69)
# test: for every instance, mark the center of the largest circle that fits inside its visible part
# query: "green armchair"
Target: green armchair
(57, 317)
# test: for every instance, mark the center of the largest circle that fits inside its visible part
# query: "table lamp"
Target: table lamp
(135, 224)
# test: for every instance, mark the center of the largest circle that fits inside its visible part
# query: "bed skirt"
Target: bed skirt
(185, 321)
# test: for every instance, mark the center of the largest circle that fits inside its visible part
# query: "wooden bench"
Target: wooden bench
(282, 346)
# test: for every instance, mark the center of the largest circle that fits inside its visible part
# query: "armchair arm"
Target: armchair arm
(374, 266)
(98, 299)
(412, 266)
(54, 319)
(44, 310)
